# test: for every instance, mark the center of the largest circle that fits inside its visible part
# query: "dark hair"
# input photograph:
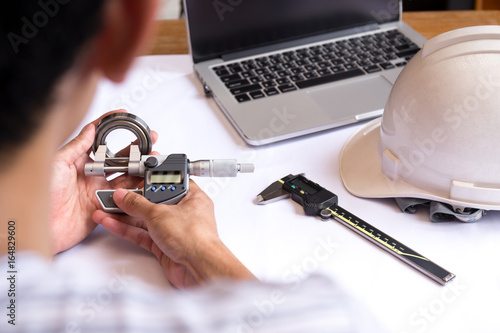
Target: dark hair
(40, 40)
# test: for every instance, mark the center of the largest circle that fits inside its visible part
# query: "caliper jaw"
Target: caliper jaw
(273, 193)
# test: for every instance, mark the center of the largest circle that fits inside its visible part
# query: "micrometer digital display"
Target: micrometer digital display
(166, 177)
(317, 201)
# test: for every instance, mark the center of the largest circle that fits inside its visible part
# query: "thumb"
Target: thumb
(133, 204)
(80, 144)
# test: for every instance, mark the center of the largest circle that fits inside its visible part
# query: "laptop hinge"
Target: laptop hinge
(299, 42)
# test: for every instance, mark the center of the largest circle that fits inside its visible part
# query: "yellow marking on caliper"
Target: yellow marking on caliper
(393, 248)
(281, 181)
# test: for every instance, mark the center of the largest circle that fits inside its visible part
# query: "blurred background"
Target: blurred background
(173, 8)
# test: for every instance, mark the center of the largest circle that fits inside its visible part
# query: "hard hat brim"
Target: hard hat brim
(361, 172)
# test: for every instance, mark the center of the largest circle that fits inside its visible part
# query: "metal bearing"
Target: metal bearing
(126, 121)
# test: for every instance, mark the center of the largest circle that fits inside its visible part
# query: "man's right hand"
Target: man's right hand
(183, 237)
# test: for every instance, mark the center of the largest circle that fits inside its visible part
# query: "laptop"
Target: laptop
(280, 69)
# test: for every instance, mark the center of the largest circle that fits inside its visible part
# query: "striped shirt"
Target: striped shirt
(36, 296)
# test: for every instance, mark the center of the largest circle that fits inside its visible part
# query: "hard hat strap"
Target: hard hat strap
(439, 212)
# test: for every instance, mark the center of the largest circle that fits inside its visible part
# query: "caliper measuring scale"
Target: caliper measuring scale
(317, 201)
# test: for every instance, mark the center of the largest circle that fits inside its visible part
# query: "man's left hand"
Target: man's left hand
(73, 199)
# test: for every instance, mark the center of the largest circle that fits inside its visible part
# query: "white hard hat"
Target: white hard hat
(439, 136)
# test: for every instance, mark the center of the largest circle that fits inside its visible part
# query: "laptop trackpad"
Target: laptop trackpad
(353, 99)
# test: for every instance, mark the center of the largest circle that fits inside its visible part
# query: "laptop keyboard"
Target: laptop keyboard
(311, 66)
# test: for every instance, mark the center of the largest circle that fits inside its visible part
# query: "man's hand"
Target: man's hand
(73, 199)
(183, 237)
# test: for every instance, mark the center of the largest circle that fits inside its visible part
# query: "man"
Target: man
(53, 54)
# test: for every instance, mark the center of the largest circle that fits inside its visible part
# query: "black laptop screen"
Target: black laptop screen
(219, 27)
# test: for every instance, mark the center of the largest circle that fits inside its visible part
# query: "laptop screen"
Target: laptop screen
(219, 27)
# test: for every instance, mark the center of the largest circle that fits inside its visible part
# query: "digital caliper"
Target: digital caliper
(318, 201)
(166, 178)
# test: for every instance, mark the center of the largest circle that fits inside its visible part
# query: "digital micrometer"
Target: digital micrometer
(318, 201)
(166, 177)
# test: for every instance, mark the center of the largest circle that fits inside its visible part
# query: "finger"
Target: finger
(100, 215)
(134, 204)
(197, 197)
(79, 145)
(134, 235)
(193, 185)
(194, 189)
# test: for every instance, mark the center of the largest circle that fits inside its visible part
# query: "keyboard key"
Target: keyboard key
(372, 69)
(310, 68)
(249, 66)
(262, 63)
(330, 78)
(283, 73)
(235, 84)
(222, 72)
(275, 61)
(404, 47)
(271, 91)
(391, 56)
(229, 78)
(387, 65)
(301, 56)
(337, 62)
(245, 89)
(316, 52)
(287, 87)
(351, 60)
(377, 60)
(337, 69)
(364, 63)
(235, 68)
(323, 64)
(310, 75)
(269, 77)
(247, 74)
(268, 84)
(261, 71)
(323, 72)
(282, 81)
(275, 68)
(255, 79)
(408, 52)
(315, 59)
(257, 94)
(242, 98)
(297, 78)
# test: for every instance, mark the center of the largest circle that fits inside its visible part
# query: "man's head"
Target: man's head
(45, 41)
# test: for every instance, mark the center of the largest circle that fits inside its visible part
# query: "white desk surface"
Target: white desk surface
(278, 242)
